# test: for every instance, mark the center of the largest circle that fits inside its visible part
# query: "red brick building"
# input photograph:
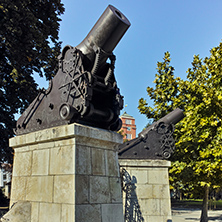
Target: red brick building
(128, 127)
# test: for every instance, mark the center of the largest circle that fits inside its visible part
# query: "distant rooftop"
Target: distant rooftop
(125, 115)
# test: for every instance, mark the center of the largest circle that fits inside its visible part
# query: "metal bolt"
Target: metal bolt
(146, 147)
(39, 121)
(51, 106)
(64, 111)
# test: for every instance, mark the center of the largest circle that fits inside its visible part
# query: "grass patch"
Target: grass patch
(196, 204)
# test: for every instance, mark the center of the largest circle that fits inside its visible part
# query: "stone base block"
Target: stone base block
(68, 173)
(146, 190)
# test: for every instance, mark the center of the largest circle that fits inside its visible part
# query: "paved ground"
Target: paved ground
(186, 215)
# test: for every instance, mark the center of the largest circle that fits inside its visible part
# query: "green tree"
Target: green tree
(166, 88)
(197, 160)
(28, 45)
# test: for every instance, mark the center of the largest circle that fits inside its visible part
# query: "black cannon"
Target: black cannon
(155, 142)
(84, 90)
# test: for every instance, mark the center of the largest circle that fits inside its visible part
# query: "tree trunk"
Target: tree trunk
(204, 216)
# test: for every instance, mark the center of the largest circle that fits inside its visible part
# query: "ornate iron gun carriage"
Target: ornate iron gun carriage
(155, 142)
(84, 89)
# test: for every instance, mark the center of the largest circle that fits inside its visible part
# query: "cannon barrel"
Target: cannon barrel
(171, 118)
(105, 34)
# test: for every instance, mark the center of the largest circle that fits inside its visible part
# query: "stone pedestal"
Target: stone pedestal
(147, 193)
(68, 173)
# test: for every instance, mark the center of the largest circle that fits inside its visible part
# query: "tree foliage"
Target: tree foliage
(197, 161)
(166, 88)
(28, 44)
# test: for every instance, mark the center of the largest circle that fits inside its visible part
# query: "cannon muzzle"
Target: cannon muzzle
(105, 34)
(173, 117)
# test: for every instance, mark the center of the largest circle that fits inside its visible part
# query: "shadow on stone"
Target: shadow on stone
(132, 208)
(20, 211)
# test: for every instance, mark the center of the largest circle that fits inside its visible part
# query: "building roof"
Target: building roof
(125, 115)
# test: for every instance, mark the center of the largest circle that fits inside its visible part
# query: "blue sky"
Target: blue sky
(183, 27)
